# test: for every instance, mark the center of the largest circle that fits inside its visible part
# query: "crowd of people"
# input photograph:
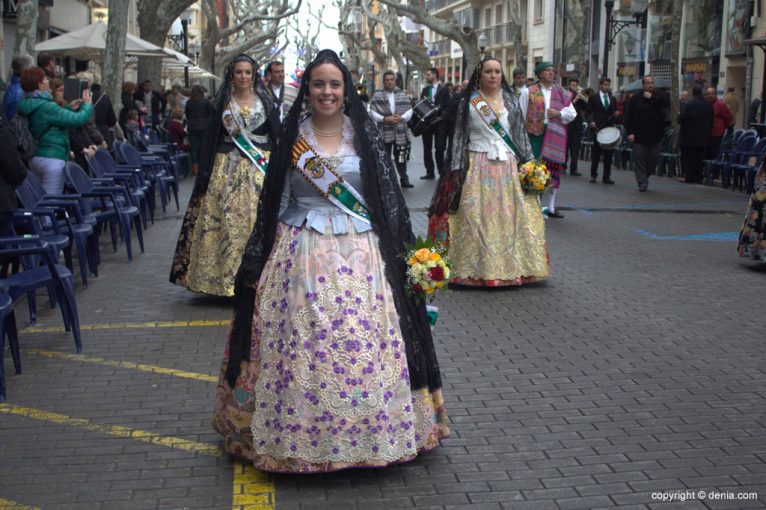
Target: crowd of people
(298, 213)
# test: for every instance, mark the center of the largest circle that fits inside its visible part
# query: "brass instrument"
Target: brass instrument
(583, 93)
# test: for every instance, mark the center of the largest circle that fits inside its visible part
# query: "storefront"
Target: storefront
(701, 42)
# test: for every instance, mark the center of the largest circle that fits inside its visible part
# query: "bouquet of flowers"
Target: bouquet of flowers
(428, 269)
(535, 176)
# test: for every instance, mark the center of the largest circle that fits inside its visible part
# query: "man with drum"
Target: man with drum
(391, 109)
(547, 109)
(601, 110)
(436, 133)
(645, 124)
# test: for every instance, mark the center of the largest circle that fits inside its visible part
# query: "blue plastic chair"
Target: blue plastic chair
(106, 171)
(8, 327)
(30, 249)
(741, 151)
(110, 206)
(160, 171)
(744, 173)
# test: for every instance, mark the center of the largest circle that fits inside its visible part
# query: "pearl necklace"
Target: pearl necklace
(327, 134)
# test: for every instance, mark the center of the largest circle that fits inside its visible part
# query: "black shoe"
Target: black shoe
(407, 184)
(592, 180)
(555, 214)
(428, 176)
(575, 174)
(642, 188)
(608, 181)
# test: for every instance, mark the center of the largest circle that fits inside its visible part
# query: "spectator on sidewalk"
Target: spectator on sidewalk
(128, 103)
(732, 101)
(176, 130)
(103, 114)
(696, 120)
(644, 122)
(752, 112)
(149, 102)
(47, 63)
(14, 93)
(198, 112)
(12, 173)
(722, 120)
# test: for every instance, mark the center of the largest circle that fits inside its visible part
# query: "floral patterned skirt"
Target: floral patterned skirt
(497, 235)
(224, 220)
(752, 237)
(327, 384)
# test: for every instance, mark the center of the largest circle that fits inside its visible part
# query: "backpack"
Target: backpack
(25, 142)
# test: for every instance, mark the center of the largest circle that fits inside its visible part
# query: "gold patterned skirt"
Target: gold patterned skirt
(497, 235)
(327, 384)
(223, 225)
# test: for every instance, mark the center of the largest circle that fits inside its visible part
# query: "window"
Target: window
(488, 17)
(538, 12)
(468, 17)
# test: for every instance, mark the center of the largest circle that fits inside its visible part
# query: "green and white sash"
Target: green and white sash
(253, 153)
(321, 175)
(487, 114)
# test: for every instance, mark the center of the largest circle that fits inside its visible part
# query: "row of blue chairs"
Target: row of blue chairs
(738, 161)
(120, 195)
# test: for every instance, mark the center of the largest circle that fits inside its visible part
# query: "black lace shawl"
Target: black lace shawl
(215, 132)
(390, 221)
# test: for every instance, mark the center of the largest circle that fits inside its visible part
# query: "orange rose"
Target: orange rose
(423, 254)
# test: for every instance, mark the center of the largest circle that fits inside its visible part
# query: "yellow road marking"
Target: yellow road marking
(123, 364)
(114, 430)
(128, 325)
(253, 490)
(12, 505)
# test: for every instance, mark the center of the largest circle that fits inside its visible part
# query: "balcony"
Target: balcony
(498, 35)
(437, 5)
(439, 48)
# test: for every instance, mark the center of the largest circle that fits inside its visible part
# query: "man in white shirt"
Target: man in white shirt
(547, 109)
(391, 109)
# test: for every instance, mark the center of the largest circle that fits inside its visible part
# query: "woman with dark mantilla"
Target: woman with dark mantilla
(495, 231)
(330, 364)
(752, 236)
(223, 206)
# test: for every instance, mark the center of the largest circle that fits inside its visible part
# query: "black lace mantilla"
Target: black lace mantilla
(390, 221)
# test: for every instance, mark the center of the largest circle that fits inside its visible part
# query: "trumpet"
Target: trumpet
(583, 93)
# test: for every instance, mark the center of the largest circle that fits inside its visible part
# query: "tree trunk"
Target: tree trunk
(155, 17)
(519, 57)
(675, 50)
(26, 28)
(114, 58)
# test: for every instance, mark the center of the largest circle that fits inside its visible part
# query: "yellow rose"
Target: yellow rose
(423, 254)
(439, 285)
(413, 260)
(435, 256)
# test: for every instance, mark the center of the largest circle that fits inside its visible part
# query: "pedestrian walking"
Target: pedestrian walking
(644, 123)
(282, 94)
(696, 120)
(602, 110)
(495, 230)
(199, 111)
(722, 120)
(547, 109)
(391, 109)
(330, 364)
(224, 203)
(435, 135)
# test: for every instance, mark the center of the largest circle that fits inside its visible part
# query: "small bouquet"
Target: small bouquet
(428, 269)
(535, 176)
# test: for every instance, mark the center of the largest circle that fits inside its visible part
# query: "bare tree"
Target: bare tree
(306, 40)
(114, 57)
(254, 29)
(26, 27)
(449, 28)
(155, 17)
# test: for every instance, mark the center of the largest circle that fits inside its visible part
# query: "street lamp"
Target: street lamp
(372, 79)
(185, 28)
(482, 40)
(615, 26)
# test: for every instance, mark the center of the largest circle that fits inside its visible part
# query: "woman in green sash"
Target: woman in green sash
(494, 229)
(223, 206)
(330, 364)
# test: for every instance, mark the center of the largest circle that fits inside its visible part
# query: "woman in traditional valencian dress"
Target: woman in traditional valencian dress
(223, 206)
(495, 231)
(330, 364)
(752, 237)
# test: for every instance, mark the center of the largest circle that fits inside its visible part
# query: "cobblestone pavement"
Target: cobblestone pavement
(635, 373)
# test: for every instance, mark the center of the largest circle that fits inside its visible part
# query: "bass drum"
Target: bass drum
(609, 138)
(422, 113)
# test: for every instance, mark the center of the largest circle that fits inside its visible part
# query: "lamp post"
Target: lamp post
(185, 48)
(482, 41)
(615, 26)
(372, 79)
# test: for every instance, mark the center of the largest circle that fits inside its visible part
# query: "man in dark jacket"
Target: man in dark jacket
(436, 133)
(601, 110)
(150, 100)
(103, 115)
(13, 93)
(12, 173)
(645, 124)
(574, 128)
(696, 120)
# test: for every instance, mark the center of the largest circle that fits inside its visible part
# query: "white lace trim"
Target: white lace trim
(346, 147)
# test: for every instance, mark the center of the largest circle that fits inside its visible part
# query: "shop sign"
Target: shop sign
(694, 67)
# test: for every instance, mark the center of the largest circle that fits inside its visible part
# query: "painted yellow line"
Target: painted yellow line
(114, 430)
(128, 325)
(123, 364)
(12, 505)
(253, 490)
